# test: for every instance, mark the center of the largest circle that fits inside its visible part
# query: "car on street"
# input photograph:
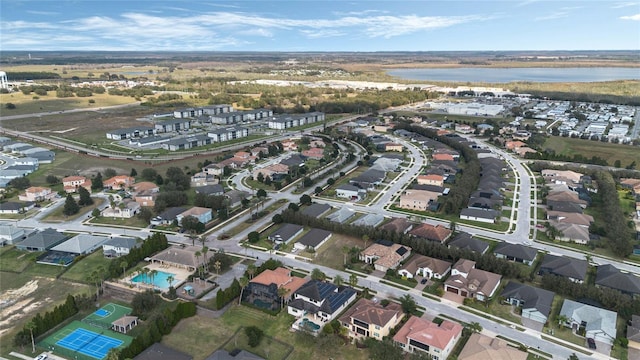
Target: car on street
(42, 357)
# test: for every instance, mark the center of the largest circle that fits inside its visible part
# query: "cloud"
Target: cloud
(48, 13)
(319, 34)
(635, 17)
(624, 5)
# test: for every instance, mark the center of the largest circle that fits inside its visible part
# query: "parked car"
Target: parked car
(42, 357)
(423, 281)
(592, 343)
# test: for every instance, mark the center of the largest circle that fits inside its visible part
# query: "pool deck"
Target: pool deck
(180, 275)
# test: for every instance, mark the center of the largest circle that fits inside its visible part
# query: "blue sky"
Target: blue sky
(319, 25)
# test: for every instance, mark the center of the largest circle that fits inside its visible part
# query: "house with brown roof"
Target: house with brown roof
(262, 290)
(271, 170)
(204, 215)
(368, 318)
(385, 255)
(289, 145)
(72, 183)
(482, 347)
(436, 340)
(514, 145)
(180, 257)
(393, 147)
(418, 199)
(428, 267)
(570, 217)
(431, 179)
(145, 186)
(633, 332)
(397, 225)
(438, 233)
(119, 182)
(469, 282)
(567, 196)
(314, 153)
(442, 157)
(37, 193)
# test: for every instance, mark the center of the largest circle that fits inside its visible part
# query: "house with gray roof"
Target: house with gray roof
(81, 244)
(372, 220)
(342, 215)
(611, 277)
(481, 215)
(215, 189)
(369, 179)
(516, 253)
(313, 239)
(598, 324)
(118, 246)
(172, 125)
(236, 196)
(321, 301)
(535, 302)
(10, 234)
(41, 240)
(14, 207)
(285, 233)
(571, 268)
(315, 210)
(188, 142)
(465, 241)
(168, 216)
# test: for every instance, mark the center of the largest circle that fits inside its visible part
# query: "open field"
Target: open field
(81, 270)
(200, 336)
(330, 253)
(30, 104)
(611, 152)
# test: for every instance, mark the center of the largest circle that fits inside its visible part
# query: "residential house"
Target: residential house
(469, 282)
(262, 290)
(41, 240)
(259, 149)
(14, 207)
(566, 195)
(578, 234)
(596, 323)
(204, 215)
(285, 233)
(482, 347)
(435, 340)
(427, 267)
(210, 190)
(465, 241)
(482, 215)
(314, 153)
(393, 147)
(36, 194)
(119, 246)
(535, 302)
(320, 302)
(160, 351)
(146, 197)
(10, 234)
(633, 332)
(315, 210)
(514, 145)
(565, 177)
(214, 169)
(293, 161)
(371, 220)
(289, 145)
(515, 252)
(189, 142)
(81, 244)
(442, 157)
(341, 215)
(570, 268)
(570, 217)
(397, 225)
(235, 354)
(432, 179)
(201, 179)
(72, 183)
(350, 192)
(418, 199)
(313, 239)
(168, 216)
(274, 171)
(145, 186)
(235, 197)
(368, 318)
(611, 277)
(437, 233)
(125, 210)
(369, 179)
(317, 143)
(385, 255)
(119, 182)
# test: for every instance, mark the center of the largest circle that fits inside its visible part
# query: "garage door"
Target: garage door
(452, 290)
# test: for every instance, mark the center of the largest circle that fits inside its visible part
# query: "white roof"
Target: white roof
(81, 244)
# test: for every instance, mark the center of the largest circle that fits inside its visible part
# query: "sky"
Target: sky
(318, 25)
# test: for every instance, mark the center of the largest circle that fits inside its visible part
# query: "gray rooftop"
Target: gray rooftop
(532, 297)
(315, 210)
(80, 244)
(314, 237)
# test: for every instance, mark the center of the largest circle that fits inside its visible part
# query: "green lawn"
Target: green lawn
(57, 215)
(130, 222)
(494, 307)
(330, 253)
(14, 260)
(200, 336)
(611, 152)
(84, 267)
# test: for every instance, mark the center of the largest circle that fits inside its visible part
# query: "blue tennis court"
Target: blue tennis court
(89, 343)
(102, 313)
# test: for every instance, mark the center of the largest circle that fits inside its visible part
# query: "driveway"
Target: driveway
(225, 280)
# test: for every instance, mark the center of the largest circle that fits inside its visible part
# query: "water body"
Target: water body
(505, 75)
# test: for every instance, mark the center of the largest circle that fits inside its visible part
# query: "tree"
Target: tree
(251, 270)
(260, 177)
(261, 193)
(149, 174)
(95, 212)
(70, 206)
(408, 304)
(306, 199)
(109, 173)
(254, 334)
(317, 274)
(133, 172)
(353, 280)
(294, 207)
(562, 319)
(52, 180)
(475, 327)
(96, 183)
(192, 225)
(217, 265)
(31, 325)
(338, 280)
(85, 197)
(573, 356)
(124, 265)
(10, 106)
(253, 237)
(282, 293)
(20, 183)
(345, 252)
(152, 274)
(170, 280)
(452, 226)
(243, 283)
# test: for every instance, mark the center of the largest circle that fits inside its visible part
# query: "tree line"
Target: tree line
(153, 244)
(40, 324)
(617, 229)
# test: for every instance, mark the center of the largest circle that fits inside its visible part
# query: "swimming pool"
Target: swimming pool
(159, 279)
(309, 324)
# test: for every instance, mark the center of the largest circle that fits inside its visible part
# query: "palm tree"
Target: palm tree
(562, 319)
(353, 280)
(251, 270)
(338, 280)
(345, 251)
(204, 253)
(94, 278)
(452, 226)
(124, 266)
(243, 283)
(152, 274)
(365, 238)
(145, 272)
(31, 326)
(317, 274)
(170, 280)
(282, 292)
(198, 254)
(217, 265)
(475, 327)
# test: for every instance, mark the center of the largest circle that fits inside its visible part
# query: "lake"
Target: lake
(505, 75)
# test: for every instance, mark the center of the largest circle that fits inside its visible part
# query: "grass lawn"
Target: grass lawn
(495, 308)
(25, 104)
(330, 253)
(611, 152)
(57, 215)
(131, 222)
(200, 336)
(80, 270)
(14, 260)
